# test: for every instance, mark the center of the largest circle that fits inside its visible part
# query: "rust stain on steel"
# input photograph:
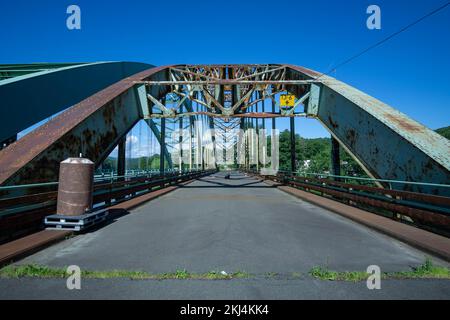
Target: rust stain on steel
(335, 125)
(18, 154)
(351, 136)
(257, 115)
(306, 71)
(407, 126)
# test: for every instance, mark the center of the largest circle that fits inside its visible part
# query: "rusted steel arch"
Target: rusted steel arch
(387, 143)
(92, 127)
(30, 98)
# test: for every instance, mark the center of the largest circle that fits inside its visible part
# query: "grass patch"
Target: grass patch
(325, 274)
(32, 270)
(39, 271)
(427, 270)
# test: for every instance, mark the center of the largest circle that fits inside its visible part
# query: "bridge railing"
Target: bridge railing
(423, 210)
(390, 184)
(22, 212)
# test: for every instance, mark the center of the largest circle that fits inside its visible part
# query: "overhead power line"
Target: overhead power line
(386, 39)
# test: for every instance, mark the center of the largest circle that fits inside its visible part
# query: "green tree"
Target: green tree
(445, 132)
(314, 155)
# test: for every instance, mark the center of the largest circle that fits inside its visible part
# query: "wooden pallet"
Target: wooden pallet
(75, 223)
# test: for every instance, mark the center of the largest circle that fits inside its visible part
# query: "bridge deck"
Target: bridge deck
(233, 225)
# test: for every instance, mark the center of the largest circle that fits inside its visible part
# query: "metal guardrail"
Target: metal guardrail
(366, 180)
(422, 209)
(105, 189)
(100, 177)
(29, 209)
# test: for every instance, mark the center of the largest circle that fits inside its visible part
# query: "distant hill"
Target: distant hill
(144, 163)
(445, 132)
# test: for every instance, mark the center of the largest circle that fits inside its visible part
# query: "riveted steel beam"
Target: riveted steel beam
(227, 82)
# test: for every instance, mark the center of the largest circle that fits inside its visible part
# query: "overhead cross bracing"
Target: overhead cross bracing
(224, 91)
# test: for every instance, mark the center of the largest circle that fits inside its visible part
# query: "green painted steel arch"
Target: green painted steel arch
(30, 98)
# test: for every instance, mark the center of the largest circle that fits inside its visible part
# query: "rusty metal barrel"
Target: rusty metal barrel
(76, 180)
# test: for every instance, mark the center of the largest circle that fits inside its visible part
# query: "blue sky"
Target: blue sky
(409, 72)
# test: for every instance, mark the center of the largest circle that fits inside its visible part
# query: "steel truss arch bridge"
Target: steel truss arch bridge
(94, 106)
(386, 143)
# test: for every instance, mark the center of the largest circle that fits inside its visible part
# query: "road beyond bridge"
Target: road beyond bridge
(234, 225)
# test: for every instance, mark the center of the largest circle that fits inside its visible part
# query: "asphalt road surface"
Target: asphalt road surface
(237, 224)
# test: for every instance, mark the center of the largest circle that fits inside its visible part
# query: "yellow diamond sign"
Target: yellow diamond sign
(287, 100)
